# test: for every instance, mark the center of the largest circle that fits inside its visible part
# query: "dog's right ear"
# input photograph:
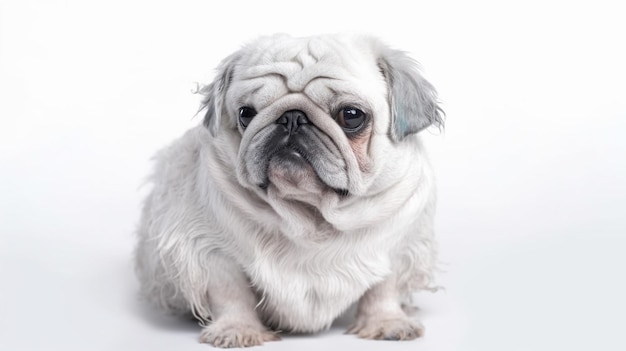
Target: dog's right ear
(215, 94)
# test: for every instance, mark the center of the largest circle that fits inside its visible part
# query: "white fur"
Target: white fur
(213, 244)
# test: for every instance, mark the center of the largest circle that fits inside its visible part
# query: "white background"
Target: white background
(531, 165)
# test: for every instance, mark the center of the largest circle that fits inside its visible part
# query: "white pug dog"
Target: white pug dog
(305, 190)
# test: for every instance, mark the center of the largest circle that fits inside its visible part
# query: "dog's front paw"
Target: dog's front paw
(227, 334)
(396, 328)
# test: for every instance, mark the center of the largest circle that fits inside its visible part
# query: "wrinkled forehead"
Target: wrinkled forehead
(305, 52)
(279, 65)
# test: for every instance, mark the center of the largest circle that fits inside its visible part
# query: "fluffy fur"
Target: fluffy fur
(253, 242)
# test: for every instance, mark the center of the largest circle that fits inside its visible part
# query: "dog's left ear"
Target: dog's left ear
(215, 94)
(413, 100)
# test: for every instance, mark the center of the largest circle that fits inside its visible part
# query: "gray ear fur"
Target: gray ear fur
(215, 94)
(413, 100)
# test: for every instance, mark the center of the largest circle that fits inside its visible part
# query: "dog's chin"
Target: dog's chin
(290, 176)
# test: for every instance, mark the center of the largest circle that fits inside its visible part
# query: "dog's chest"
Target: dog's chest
(305, 289)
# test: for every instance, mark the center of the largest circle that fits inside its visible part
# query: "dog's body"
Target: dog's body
(319, 195)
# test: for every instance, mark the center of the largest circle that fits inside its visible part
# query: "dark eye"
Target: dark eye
(351, 119)
(246, 114)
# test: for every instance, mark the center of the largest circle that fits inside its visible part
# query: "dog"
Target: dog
(304, 191)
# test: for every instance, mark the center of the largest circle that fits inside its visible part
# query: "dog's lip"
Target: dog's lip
(342, 193)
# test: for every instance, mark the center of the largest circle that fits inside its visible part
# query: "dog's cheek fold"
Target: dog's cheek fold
(360, 145)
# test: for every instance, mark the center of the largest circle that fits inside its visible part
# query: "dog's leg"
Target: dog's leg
(380, 315)
(234, 321)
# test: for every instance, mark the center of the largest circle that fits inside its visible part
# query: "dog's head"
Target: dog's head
(320, 116)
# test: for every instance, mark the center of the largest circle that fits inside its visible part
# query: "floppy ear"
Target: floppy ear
(413, 100)
(215, 94)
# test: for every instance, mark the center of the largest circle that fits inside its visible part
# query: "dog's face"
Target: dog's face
(316, 118)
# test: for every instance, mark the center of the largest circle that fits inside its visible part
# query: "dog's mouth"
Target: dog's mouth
(291, 168)
(296, 161)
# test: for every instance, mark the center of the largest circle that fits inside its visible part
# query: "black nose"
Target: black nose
(292, 120)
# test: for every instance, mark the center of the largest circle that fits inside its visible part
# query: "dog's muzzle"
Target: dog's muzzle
(293, 151)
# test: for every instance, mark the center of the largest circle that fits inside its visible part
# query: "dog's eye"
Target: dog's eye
(246, 114)
(351, 119)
